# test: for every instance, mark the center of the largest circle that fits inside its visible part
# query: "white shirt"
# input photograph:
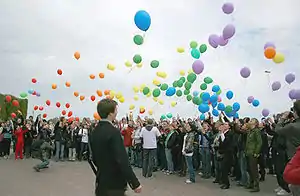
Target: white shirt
(150, 137)
(85, 137)
(183, 148)
(222, 135)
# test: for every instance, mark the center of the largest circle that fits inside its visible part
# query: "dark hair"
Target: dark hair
(106, 107)
(297, 107)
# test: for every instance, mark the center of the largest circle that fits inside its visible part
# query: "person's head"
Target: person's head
(296, 108)
(150, 122)
(187, 127)
(31, 118)
(107, 109)
(130, 123)
(254, 123)
(205, 126)
(225, 126)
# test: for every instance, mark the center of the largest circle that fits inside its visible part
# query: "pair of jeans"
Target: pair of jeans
(137, 155)
(148, 161)
(191, 171)
(72, 154)
(280, 163)
(83, 148)
(243, 167)
(206, 161)
(59, 150)
(218, 168)
(169, 159)
(295, 190)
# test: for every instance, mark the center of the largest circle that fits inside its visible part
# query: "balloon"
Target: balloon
(215, 112)
(189, 97)
(292, 94)
(290, 78)
(77, 55)
(202, 117)
(48, 102)
(82, 98)
(59, 72)
(150, 112)
(169, 115)
(196, 100)
(208, 80)
(205, 96)
(99, 93)
(173, 103)
(297, 94)
(30, 91)
(219, 99)
(214, 104)
(255, 103)
(195, 53)
(93, 98)
(128, 64)
(270, 53)
(76, 94)
(36, 107)
(245, 72)
(67, 105)
(250, 99)
(70, 113)
(44, 115)
(161, 102)
(174, 84)
(164, 87)
(229, 95)
(236, 106)
(92, 76)
(41, 108)
(13, 115)
(222, 41)
(228, 109)
(203, 108)
(146, 90)
(15, 103)
(186, 92)
(156, 92)
(57, 104)
(265, 112)
(163, 117)
(106, 92)
(215, 88)
(180, 83)
(101, 75)
(203, 48)
(203, 86)
(54, 86)
(170, 91)
(112, 94)
(187, 85)
(161, 74)
(227, 8)
(77, 119)
(182, 72)
(214, 98)
(131, 107)
(8, 98)
(191, 77)
(180, 50)
(38, 94)
(142, 20)
(195, 93)
(279, 58)
(23, 95)
(178, 93)
(213, 40)
(33, 80)
(193, 44)
(276, 86)
(154, 64)
(119, 95)
(198, 67)
(34, 93)
(219, 92)
(135, 97)
(111, 67)
(269, 44)
(138, 39)
(142, 110)
(228, 31)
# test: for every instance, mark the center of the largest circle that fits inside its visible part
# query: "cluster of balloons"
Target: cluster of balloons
(271, 53)
(253, 101)
(33, 92)
(195, 52)
(163, 117)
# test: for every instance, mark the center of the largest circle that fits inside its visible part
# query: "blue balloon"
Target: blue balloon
(142, 20)
(195, 53)
(170, 91)
(215, 112)
(205, 96)
(30, 91)
(255, 103)
(221, 106)
(195, 93)
(215, 88)
(203, 108)
(236, 115)
(214, 104)
(229, 95)
(236, 106)
(202, 117)
(214, 98)
(230, 114)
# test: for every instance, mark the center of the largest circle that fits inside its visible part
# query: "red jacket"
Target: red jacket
(19, 133)
(292, 170)
(127, 133)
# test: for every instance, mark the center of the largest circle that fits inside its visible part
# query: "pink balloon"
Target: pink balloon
(250, 99)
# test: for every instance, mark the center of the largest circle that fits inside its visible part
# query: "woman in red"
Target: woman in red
(292, 170)
(19, 133)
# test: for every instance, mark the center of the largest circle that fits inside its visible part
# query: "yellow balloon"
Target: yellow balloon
(136, 89)
(156, 82)
(142, 87)
(111, 67)
(279, 58)
(161, 102)
(182, 72)
(112, 94)
(190, 71)
(128, 64)
(136, 97)
(180, 50)
(149, 94)
(119, 95)
(173, 103)
(139, 65)
(122, 99)
(161, 74)
(131, 107)
(142, 108)
(150, 112)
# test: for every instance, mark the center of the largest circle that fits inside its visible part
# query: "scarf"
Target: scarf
(168, 137)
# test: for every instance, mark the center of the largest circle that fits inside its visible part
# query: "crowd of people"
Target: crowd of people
(242, 149)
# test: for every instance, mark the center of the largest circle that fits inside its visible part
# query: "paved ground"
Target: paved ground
(17, 178)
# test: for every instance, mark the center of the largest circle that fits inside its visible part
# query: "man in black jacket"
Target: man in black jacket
(109, 155)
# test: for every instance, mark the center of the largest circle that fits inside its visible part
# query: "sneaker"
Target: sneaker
(36, 169)
(277, 189)
(283, 193)
(188, 181)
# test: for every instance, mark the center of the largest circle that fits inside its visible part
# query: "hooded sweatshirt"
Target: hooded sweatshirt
(149, 135)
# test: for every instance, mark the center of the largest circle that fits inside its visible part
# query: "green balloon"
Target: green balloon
(193, 44)
(219, 92)
(180, 83)
(195, 53)
(179, 93)
(164, 87)
(203, 48)
(187, 85)
(186, 92)
(189, 97)
(182, 79)
(169, 115)
(163, 117)
(137, 58)
(201, 94)
(154, 64)
(196, 100)
(146, 90)
(228, 109)
(203, 86)
(208, 80)
(175, 84)
(138, 39)
(192, 77)
(23, 95)
(156, 92)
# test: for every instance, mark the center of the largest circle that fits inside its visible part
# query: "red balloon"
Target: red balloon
(33, 80)
(93, 98)
(77, 119)
(59, 72)
(44, 115)
(70, 114)
(41, 108)
(48, 102)
(8, 98)
(13, 115)
(70, 120)
(36, 107)
(67, 105)
(15, 103)
(58, 104)
(63, 112)
(34, 93)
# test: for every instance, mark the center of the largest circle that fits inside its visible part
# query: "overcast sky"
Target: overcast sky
(39, 37)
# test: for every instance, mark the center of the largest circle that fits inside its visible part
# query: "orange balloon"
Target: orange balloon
(68, 84)
(54, 86)
(106, 92)
(82, 98)
(77, 55)
(76, 94)
(101, 75)
(59, 72)
(270, 53)
(92, 76)
(99, 93)
(93, 98)
(96, 116)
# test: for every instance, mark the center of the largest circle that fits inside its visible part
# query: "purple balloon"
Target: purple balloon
(269, 44)
(213, 40)
(297, 94)
(228, 31)
(222, 41)
(292, 94)
(250, 99)
(227, 8)
(245, 72)
(265, 112)
(38, 94)
(290, 78)
(198, 67)
(276, 86)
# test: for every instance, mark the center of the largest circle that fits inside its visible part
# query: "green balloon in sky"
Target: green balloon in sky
(193, 44)
(203, 86)
(146, 90)
(163, 117)
(203, 48)
(164, 87)
(169, 115)
(189, 97)
(175, 84)
(180, 83)
(179, 93)
(219, 92)
(182, 79)
(208, 80)
(138, 39)
(156, 92)
(23, 95)
(192, 77)
(186, 92)
(187, 85)
(137, 59)
(228, 109)
(154, 64)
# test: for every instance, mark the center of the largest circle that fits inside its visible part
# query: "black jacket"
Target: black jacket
(111, 160)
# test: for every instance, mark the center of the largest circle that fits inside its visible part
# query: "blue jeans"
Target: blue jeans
(206, 162)
(169, 159)
(243, 167)
(189, 163)
(148, 161)
(217, 168)
(138, 155)
(59, 150)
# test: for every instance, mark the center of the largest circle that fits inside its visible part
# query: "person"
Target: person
(19, 133)
(187, 151)
(109, 155)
